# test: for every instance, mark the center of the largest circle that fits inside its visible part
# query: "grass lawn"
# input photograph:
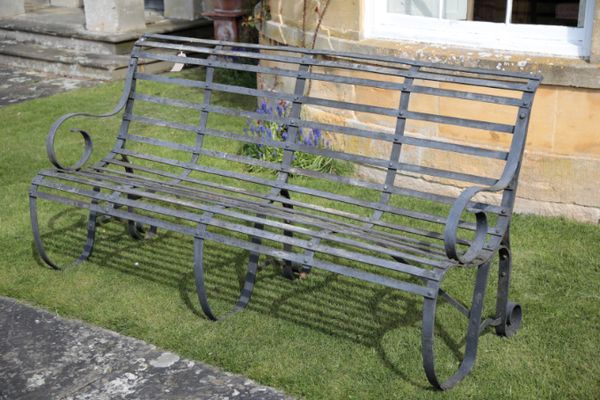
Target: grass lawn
(326, 337)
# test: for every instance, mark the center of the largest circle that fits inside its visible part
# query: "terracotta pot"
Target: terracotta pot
(227, 5)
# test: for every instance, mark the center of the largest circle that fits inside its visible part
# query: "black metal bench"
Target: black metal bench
(172, 175)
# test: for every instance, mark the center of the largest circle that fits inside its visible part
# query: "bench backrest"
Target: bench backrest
(411, 130)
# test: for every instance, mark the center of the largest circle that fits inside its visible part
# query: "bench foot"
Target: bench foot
(137, 230)
(246, 292)
(473, 332)
(87, 248)
(509, 314)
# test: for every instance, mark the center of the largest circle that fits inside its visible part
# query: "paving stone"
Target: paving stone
(17, 85)
(43, 356)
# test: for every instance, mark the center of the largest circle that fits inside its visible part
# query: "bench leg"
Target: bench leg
(249, 280)
(472, 332)
(508, 314)
(137, 231)
(288, 266)
(87, 248)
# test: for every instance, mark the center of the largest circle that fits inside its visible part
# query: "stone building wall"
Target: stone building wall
(561, 170)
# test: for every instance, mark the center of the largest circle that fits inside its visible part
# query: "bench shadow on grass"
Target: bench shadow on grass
(325, 302)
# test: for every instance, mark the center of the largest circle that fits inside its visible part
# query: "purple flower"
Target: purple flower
(264, 109)
(317, 133)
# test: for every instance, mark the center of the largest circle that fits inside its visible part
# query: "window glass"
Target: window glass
(546, 12)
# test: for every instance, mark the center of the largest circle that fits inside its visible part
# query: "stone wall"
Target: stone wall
(561, 170)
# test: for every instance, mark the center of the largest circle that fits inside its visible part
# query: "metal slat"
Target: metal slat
(358, 56)
(219, 64)
(327, 223)
(377, 162)
(209, 153)
(295, 203)
(502, 100)
(333, 64)
(459, 94)
(434, 76)
(253, 247)
(277, 58)
(296, 188)
(129, 190)
(492, 126)
(305, 190)
(387, 137)
(468, 123)
(198, 218)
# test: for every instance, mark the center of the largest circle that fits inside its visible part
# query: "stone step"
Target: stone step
(56, 28)
(66, 42)
(66, 62)
(54, 40)
(33, 5)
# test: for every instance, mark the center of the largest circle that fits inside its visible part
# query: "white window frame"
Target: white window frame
(541, 39)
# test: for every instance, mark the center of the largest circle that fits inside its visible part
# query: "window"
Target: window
(556, 27)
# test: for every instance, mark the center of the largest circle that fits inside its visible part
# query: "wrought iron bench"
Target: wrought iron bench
(427, 212)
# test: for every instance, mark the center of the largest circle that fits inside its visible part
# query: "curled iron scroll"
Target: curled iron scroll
(450, 232)
(87, 152)
(86, 137)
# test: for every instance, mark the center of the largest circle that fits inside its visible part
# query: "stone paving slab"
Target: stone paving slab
(17, 85)
(43, 356)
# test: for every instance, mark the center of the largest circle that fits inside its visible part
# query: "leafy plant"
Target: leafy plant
(269, 131)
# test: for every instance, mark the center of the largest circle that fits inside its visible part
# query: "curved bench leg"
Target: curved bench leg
(288, 266)
(137, 230)
(87, 248)
(472, 332)
(509, 314)
(249, 280)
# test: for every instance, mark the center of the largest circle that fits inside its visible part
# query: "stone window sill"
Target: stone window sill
(559, 71)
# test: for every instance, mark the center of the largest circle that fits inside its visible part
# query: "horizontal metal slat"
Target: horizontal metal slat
(209, 153)
(197, 218)
(294, 257)
(387, 137)
(289, 202)
(308, 191)
(100, 181)
(333, 64)
(377, 162)
(358, 56)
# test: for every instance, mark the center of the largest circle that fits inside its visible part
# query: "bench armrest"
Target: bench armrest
(88, 140)
(474, 252)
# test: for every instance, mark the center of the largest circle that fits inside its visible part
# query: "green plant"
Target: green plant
(269, 131)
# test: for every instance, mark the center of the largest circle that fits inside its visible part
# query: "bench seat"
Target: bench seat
(341, 234)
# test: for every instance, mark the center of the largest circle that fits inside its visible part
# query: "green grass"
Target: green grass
(326, 337)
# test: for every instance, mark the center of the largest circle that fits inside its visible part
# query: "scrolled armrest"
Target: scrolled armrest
(87, 138)
(474, 252)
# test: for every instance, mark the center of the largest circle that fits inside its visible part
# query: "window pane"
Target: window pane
(490, 10)
(422, 8)
(456, 9)
(547, 12)
(453, 9)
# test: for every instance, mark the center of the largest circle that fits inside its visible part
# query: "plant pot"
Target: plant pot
(228, 5)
